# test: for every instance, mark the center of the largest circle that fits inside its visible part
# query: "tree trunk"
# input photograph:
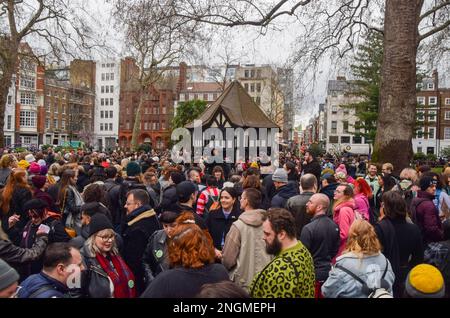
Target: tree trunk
(397, 110)
(137, 123)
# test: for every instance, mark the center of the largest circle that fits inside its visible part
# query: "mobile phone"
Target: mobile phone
(44, 228)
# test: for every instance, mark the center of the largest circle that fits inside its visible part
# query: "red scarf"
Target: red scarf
(120, 274)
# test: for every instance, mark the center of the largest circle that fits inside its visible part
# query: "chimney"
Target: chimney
(182, 78)
(436, 79)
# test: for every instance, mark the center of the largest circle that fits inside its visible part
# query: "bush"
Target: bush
(419, 156)
(431, 157)
(20, 149)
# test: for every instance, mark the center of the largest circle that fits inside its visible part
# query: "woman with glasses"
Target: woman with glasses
(107, 275)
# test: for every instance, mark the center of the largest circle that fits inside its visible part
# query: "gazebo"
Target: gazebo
(235, 109)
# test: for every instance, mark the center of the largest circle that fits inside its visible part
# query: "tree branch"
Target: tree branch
(433, 31)
(434, 9)
(33, 19)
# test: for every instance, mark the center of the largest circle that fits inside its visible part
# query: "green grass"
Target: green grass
(437, 170)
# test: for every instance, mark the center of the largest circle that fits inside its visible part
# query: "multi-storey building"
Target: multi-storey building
(106, 114)
(10, 109)
(340, 121)
(286, 85)
(444, 119)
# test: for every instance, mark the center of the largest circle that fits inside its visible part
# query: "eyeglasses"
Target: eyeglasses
(107, 238)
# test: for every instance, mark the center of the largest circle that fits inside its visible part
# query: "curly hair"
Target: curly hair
(190, 246)
(362, 239)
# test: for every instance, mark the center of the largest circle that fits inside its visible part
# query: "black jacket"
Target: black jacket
(179, 208)
(314, 168)
(283, 194)
(15, 255)
(113, 201)
(297, 206)
(156, 258)
(269, 187)
(16, 206)
(169, 199)
(141, 224)
(95, 281)
(329, 192)
(321, 238)
(219, 226)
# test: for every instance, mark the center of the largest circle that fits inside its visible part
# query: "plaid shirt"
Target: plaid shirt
(436, 254)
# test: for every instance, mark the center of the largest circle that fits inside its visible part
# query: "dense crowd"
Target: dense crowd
(126, 225)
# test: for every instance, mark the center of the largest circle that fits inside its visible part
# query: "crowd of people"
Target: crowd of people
(126, 225)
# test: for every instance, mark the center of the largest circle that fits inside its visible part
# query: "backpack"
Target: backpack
(212, 204)
(377, 292)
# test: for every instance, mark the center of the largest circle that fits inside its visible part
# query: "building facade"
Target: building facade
(10, 110)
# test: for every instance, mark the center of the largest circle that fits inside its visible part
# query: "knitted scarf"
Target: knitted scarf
(120, 274)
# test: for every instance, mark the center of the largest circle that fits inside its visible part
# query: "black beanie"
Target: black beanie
(99, 222)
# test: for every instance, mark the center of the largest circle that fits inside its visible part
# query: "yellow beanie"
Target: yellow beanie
(23, 164)
(425, 280)
(254, 165)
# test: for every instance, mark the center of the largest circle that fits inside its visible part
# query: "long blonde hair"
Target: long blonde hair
(362, 239)
(94, 250)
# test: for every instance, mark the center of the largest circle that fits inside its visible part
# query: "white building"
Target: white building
(106, 114)
(10, 110)
(340, 121)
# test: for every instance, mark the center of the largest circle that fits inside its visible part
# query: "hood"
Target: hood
(287, 191)
(252, 217)
(349, 204)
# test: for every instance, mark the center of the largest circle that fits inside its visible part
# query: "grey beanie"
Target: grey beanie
(280, 175)
(8, 275)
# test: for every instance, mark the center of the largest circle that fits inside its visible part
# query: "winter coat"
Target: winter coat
(426, 216)
(329, 192)
(218, 225)
(156, 257)
(362, 205)
(141, 224)
(16, 206)
(369, 268)
(282, 196)
(269, 187)
(13, 254)
(294, 267)
(297, 206)
(321, 238)
(42, 286)
(169, 199)
(344, 216)
(179, 208)
(244, 253)
(314, 168)
(113, 200)
(96, 282)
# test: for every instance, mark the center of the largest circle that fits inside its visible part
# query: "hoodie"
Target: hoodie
(283, 194)
(344, 216)
(244, 253)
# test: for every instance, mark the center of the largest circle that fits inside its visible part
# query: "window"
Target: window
(430, 86)
(55, 123)
(47, 106)
(420, 132)
(258, 87)
(420, 116)
(101, 114)
(346, 111)
(246, 87)
(107, 89)
(163, 125)
(110, 114)
(103, 65)
(103, 89)
(432, 100)
(247, 73)
(110, 126)
(334, 139)
(447, 101)
(28, 119)
(111, 89)
(334, 110)
(106, 101)
(447, 115)
(210, 97)
(421, 100)
(128, 125)
(419, 149)
(63, 124)
(56, 108)
(27, 98)
(63, 109)
(252, 87)
(101, 127)
(431, 133)
(103, 76)
(205, 96)
(9, 100)
(102, 102)
(215, 96)
(9, 122)
(8, 141)
(357, 140)
(146, 125)
(128, 111)
(27, 82)
(164, 110)
(112, 76)
(334, 127)
(345, 140)
(111, 101)
(345, 125)
(252, 73)
(107, 76)
(47, 123)
(447, 133)
(258, 100)
(432, 115)
(155, 110)
(106, 114)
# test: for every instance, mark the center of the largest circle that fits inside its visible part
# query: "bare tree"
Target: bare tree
(61, 28)
(156, 38)
(333, 28)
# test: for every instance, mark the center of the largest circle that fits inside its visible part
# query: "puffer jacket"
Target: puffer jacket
(244, 253)
(283, 194)
(369, 268)
(426, 216)
(344, 216)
